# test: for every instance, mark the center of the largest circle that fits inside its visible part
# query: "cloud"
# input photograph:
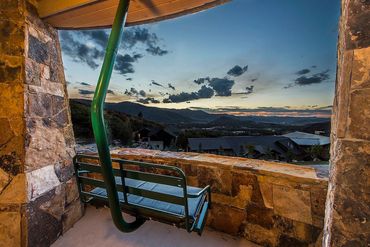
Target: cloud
(91, 92)
(79, 51)
(85, 92)
(156, 84)
(142, 93)
(148, 100)
(88, 47)
(99, 36)
(124, 63)
(156, 51)
(303, 72)
(171, 86)
(222, 86)
(308, 80)
(237, 70)
(248, 90)
(134, 92)
(203, 93)
(139, 35)
(131, 92)
(316, 78)
(202, 80)
(319, 111)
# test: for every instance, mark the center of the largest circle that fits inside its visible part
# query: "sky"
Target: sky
(246, 57)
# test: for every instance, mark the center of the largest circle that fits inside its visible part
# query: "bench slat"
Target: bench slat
(144, 176)
(156, 195)
(154, 178)
(135, 191)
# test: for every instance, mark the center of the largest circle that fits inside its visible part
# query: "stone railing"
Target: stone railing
(269, 203)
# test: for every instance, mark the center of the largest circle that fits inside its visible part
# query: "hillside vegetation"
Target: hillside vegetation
(120, 126)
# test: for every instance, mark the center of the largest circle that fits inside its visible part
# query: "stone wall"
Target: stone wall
(12, 153)
(272, 204)
(38, 193)
(347, 220)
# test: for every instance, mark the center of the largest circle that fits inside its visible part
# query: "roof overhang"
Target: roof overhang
(85, 14)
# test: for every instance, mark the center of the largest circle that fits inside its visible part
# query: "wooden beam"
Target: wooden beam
(48, 8)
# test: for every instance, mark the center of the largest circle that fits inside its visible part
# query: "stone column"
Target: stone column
(347, 220)
(38, 193)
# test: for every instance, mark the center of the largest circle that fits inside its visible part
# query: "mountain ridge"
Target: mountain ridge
(187, 116)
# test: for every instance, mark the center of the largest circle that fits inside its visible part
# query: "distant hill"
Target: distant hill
(229, 121)
(285, 120)
(160, 115)
(187, 116)
(120, 125)
(311, 128)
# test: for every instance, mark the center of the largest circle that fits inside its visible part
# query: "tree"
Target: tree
(250, 150)
(315, 151)
(182, 141)
(241, 151)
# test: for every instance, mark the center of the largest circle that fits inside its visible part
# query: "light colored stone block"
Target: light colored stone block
(47, 147)
(48, 87)
(266, 191)
(40, 181)
(292, 203)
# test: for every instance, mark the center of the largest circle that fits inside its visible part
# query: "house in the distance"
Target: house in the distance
(157, 138)
(315, 146)
(306, 139)
(261, 147)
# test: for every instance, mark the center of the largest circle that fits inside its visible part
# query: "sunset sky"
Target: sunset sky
(247, 57)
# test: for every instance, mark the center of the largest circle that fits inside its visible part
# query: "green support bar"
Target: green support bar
(98, 124)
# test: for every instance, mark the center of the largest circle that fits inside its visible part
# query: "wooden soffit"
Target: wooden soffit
(84, 14)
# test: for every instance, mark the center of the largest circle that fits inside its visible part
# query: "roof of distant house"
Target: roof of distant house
(307, 139)
(155, 130)
(262, 144)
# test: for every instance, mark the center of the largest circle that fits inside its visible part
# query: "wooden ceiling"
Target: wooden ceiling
(84, 14)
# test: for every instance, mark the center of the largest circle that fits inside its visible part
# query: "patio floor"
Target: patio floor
(96, 229)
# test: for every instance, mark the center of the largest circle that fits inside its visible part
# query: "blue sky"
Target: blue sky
(287, 49)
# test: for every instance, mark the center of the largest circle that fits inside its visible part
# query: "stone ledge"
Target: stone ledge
(277, 169)
(283, 203)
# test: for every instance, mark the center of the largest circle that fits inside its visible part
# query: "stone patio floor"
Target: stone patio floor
(96, 229)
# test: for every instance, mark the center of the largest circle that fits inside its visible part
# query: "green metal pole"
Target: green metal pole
(98, 124)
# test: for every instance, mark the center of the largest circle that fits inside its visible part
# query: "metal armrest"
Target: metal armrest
(84, 172)
(205, 189)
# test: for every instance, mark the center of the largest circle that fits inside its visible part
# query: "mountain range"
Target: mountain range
(187, 116)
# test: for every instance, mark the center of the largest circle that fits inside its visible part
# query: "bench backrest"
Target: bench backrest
(148, 172)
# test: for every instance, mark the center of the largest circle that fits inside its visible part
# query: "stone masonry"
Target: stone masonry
(269, 203)
(347, 220)
(38, 193)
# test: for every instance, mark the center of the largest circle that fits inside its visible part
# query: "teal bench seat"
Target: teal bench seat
(147, 194)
